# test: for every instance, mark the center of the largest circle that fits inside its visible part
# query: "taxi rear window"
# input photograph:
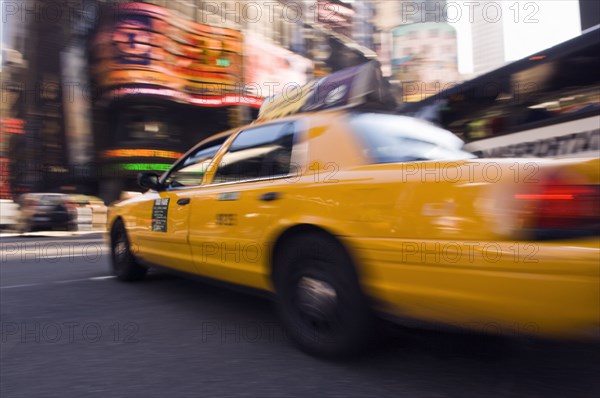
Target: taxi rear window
(393, 138)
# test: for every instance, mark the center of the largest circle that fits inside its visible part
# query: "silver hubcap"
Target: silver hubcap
(120, 249)
(316, 298)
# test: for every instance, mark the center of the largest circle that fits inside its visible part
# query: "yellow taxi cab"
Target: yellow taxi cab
(343, 214)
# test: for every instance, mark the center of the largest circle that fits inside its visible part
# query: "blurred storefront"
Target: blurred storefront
(164, 83)
(12, 128)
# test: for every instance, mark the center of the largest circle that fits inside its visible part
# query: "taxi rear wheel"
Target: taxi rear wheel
(319, 298)
(124, 266)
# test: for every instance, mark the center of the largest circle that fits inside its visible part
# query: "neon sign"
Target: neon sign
(149, 47)
(142, 166)
(13, 126)
(145, 153)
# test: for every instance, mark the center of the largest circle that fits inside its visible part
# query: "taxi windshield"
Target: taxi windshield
(391, 138)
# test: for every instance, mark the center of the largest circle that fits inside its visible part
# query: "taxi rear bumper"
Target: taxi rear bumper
(549, 289)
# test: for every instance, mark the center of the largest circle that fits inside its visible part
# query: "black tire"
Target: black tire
(124, 266)
(319, 298)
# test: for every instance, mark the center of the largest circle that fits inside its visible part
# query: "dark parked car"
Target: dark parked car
(47, 211)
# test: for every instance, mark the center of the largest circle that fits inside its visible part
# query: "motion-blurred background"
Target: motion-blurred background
(94, 91)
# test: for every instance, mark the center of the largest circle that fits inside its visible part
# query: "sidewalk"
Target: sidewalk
(54, 234)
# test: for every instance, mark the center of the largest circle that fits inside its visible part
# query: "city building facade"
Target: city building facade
(105, 89)
(487, 34)
(417, 47)
(424, 58)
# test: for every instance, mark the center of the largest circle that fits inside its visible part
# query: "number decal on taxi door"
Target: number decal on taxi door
(226, 219)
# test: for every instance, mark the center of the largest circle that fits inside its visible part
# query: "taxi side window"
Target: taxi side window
(257, 153)
(190, 171)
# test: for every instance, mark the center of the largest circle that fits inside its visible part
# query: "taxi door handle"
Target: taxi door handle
(269, 196)
(183, 201)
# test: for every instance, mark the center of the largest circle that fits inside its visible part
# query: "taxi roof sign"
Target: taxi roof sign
(361, 86)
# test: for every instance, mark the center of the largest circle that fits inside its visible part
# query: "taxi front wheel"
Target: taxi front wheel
(319, 298)
(124, 266)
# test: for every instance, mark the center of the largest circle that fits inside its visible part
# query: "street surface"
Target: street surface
(71, 330)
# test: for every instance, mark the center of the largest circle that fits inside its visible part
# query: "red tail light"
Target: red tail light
(562, 210)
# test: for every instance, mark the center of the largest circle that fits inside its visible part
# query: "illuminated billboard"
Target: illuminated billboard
(424, 58)
(144, 49)
(270, 69)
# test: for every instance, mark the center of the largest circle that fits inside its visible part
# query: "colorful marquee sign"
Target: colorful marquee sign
(148, 47)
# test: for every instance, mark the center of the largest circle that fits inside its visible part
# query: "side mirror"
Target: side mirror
(150, 180)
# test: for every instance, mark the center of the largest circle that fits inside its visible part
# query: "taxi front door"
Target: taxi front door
(164, 238)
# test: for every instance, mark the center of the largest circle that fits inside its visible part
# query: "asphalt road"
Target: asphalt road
(70, 330)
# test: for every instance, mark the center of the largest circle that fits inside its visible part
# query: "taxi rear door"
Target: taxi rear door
(231, 216)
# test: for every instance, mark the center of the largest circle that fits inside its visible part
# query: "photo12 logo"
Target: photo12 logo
(455, 11)
(68, 332)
